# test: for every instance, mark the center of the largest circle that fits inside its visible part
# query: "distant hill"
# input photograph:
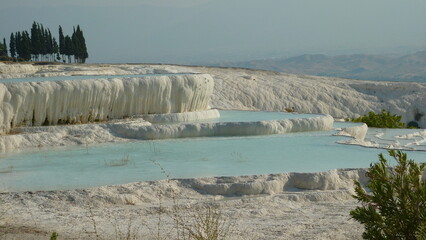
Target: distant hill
(410, 67)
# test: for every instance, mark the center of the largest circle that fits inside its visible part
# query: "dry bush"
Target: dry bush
(203, 223)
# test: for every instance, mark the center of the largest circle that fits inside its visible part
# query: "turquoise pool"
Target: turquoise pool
(118, 163)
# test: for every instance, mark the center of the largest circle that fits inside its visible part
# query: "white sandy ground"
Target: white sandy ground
(283, 206)
(280, 206)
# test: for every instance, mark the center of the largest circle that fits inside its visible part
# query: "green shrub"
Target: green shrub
(395, 206)
(381, 120)
(54, 236)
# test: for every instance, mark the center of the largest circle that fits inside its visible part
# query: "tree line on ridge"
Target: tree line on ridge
(40, 45)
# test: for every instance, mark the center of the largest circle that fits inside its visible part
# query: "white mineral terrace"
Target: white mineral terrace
(82, 101)
(138, 128)
(285, 205)
(246, 89)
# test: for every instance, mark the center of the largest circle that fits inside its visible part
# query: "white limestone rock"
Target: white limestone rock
(82, 101)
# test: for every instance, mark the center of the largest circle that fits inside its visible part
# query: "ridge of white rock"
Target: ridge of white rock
(413, 140)
(165, 131)
(50, 136)
(14, 69)
(82, 101)
(317, 210)
(336, 179)
(421, 133)
(357, 132)
(247, 89)
(123, 130)
(357, 136)
(30, 70)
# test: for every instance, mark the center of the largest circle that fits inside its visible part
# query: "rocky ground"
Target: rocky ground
(283, 206)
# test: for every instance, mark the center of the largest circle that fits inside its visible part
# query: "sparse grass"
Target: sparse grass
(8, 169)
(204, 223)
(170, 220)
(94, 224)
(87, 147)
(130, 230)
(196, 223)
(238, 157)
(191, 223)
(118, 163)
(118, 229)
(153, 147)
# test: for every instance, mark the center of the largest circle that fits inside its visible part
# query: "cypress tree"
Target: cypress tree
(55, 50)
(43, 32)
(18, 43)
(61, 42)
(76, 46)
(41, 45)
(3, 48)
(84, 53)
(49, 45)
(34, 41)
(68, 48)
(12, 46)
(26, 46)
(2, 51)
(82, 49)
(39, 41)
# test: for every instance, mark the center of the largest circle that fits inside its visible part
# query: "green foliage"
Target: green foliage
(12, 46)
(40, 45)
(381, 120)
(421, 231)
(54, 236)
(395, 206)
(79, 46)
(3, 49)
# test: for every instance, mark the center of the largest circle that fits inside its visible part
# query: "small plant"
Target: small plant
(54, 236)
(381, 120)
(202, 223)
(118, 163)
(395, 205)
(8, 169)
(207, 223)
(287, 109)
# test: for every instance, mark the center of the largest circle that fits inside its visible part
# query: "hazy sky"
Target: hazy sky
(191, 31)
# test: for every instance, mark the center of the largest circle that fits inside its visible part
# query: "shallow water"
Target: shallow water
(78, 167)
(254, 116)
(396, 137)
(117, 163)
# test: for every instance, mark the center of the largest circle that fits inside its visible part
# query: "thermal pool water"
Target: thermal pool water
(35, 101)
(118, 163)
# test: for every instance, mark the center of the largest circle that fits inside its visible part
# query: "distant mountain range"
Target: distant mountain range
(410, 67)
